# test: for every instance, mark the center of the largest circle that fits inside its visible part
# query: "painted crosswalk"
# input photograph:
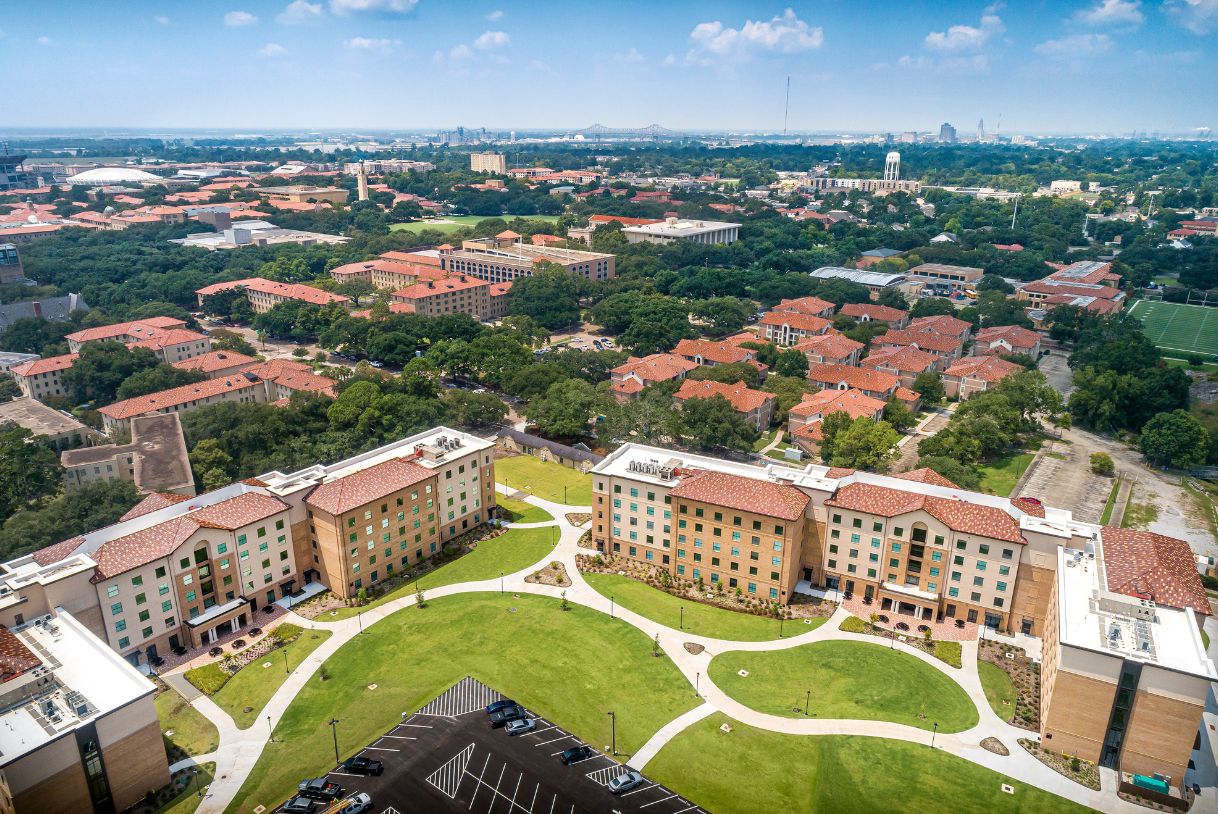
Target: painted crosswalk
(602, 776)
(466, 696)
(448, 777)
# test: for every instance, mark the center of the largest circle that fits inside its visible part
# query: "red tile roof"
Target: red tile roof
(942, 324)
(906, 359)
(174, 396)
(874, 311)
(292, 291)
(435, 288)
(859, 378)
(141, 328)
(215, 360)
(15, 657)
(813, 306)
(987, 368)
(829, 345)
(1013, 335)
(717, 352)
(295, 376)
(743, 399)
(928, 340)
(658, 367)
(854, 403)
(366, 485)
(958, 515)
(926, 475)
(51, 363)
(153, 502)
(744, 494)
(238, 512)
(1152, 566)
(800, 322)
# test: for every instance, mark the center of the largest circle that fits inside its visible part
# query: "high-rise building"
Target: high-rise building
(981, 130)
(12, 172)
(10, 264)
(947, 133)
(892, 166)
(493, 163)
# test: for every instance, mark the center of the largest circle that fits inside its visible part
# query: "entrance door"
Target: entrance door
(174, 644)
(869, 593)
(992, 621)
(1025, 627)
(151, 653)
(849, 587)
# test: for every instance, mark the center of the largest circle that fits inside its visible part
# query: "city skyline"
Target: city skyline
(401, 64)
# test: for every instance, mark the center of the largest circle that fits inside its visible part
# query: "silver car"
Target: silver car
(521, 725)
(625, 782)
(357, 804)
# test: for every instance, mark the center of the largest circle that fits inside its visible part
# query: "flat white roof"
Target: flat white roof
(857, 276)
(681, 227)
(80, 680)
(1093, 618)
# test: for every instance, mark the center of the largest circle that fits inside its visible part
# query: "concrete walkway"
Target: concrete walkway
(240, 749)
(774, 443)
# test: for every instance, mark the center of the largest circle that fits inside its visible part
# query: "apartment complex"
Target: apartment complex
(243, 387)
(754, 406)
(1007, 339)
(976, 374)
(167, 337)
(81, 730)
(55, 428)
(155, 460)
(40, 378)
(492, 163)
(393, 270)
(786, 328)
(181, 571)
(873, 312)
(629, 379)
(956, 276)
(830, 348)
(263, 294)
(504, 258)
(453, 295)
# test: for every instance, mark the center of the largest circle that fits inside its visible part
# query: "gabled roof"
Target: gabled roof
(987, 368)
(830, 345)
(744, 494)
(958, 515)
(805, 305)
(874, 311)
(798, 321)
(174, 396)
(292, 291)
(854, 403)
(926, 475)
(743, 399)
(151, 503)
(718, 352)
(215, 360)
(366, 485)
(929, 340)
(859, 378)
(658, 367)
(1151, 566)
(48, 365)
(941, 323)
(906, 359)
(1013, 335)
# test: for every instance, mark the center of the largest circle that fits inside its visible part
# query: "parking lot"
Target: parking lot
(446, 757)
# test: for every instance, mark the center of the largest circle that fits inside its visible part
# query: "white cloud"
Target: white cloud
(45, 41)
(460, 52)
(629, 57)
(785, 34)
(967, 37)
(495, 16)
(1111, 12)
(239, 19)
(161, 19)
(272, 50)
(376, 44)
(974, 64)
(670, 60)
(1077, 46)
(343, 7)
(1198, 16)
(299, 12)
(492, 39)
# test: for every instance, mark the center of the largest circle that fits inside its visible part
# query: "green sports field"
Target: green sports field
(1180, 328)
(451, 223)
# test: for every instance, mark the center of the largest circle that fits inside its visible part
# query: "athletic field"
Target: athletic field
(1184, 329)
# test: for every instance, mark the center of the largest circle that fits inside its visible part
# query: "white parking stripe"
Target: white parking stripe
(547, 729)
(400, 737)
(663, 800)
(682, 811)
(478, 787)
(535, 790)
(642, 788)
(382, 748)
(553, 740)
(448, 777)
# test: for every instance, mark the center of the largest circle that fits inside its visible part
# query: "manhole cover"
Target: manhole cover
(1008, 789)
(743, 673)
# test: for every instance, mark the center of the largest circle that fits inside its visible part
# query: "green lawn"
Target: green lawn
(526, 473)
(702, 620)
(998, 688)
(856, 680)
(461, 222)
(253, 685)
(834, 775)
(509, 552)
(1110, 503)
(1000, 476)
(189, 800)
(571, 667)
(192, 733)
(522, 512)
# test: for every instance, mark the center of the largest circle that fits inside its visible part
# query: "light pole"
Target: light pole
(564, 494)
(270, 728)
(780, 621)
(359, 617)
(807, 703)
(613, 732)
(610, 607)
(194, 778)
(682, 623)
(934, 732)
(334, 730)
(501, 582)
(697, 678)
(286, 671)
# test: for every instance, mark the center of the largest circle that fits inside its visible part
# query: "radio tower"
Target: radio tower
(786, 108)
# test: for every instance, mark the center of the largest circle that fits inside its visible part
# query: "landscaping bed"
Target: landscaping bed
(719, 596)
(211, 678)
(945, 651)
(1025, 676)
(553, 574)
(1080, 771)
(180, 796)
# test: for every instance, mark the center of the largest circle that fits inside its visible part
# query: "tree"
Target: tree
(791, 362)
(214, 466)
(722, 315)
(790, 391)
(931, 307)
(963, 476)
(101, 370)
(91, 506)
(550, 297)
(893, 298)
(929, 385)
(1176, 439)
(564, 410)
(729, 373)
(830, 427)
(475, 409)
(899, 416)
(8, 390)
(224, 339)
(865, 444)
(156, 379)
(355, 289)
(714, 424)
(28, 470)
(1101, 463)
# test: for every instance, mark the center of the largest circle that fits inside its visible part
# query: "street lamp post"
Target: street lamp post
(610, 607)
(807, 703)
(359, 617)
(194, 778)
(682, 623)
(500, 582)
(270, 728)
(934, 732)
(334, 730)
(613, 732)
(780, 621)
(286, 671)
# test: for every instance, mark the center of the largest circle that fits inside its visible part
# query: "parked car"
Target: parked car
(363, 765)
(521, 725)
(299, 805)
(319, 789)
(625, 782)
(576, 754)
(502, 703)
(357, 804)
(503, 716)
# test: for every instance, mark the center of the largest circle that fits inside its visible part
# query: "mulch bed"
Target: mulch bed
(553, 574)
(996, 746)
(1088, 774)
(1024, 673)
(578, 518)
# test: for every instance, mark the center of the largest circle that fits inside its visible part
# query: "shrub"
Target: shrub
(209, 678)
(948, 652)
(1195, 360)
(1101, 463)
(286, 632)
(853, 624)
(1075, 766)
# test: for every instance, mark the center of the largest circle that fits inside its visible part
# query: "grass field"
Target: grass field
(701, 620)
(521, 512)
(855, 680)
(1177, 327)
(254, 684)
(569, 666)
(1000, 477)
(998, 688)
(834, 775)
(188, 801)
(192, 733)
(545, 480)
(456, 222)
(509, 552)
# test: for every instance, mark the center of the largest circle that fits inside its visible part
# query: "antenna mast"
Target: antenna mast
(786, 108)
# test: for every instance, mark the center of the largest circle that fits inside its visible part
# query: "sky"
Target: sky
(1069, 66)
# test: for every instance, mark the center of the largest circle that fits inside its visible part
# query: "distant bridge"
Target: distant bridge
(652, 131)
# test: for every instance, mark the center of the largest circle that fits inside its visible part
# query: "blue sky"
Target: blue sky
(1093, 66)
